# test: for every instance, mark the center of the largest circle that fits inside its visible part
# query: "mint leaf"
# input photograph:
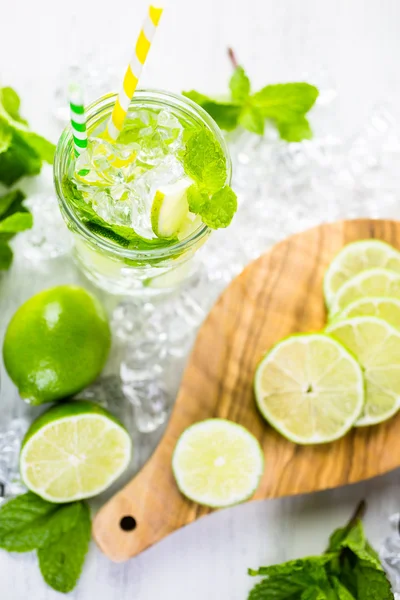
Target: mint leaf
(197, 199)
(204, 161)
(295, 131)
(342, 592)
(19, 160)
(17, 222)
(276, 589)
(11, 103)
(239, 85)
(22, 522)
(21, 150)
(61, 561)
(5, 135)
(28, 522)
(6, 256)
(225, 114)
(252, 119)
(372, 583)
(220, 209)
(11, 202)
(217, 211)
(285, 102)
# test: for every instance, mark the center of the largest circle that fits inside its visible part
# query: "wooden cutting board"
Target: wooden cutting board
(276, 295)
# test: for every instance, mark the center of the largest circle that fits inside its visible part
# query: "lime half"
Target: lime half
(387, 309)
(73, 451)
(310, 388)
(357, 257)
(373, 282)
(217, 463)
(376, 344)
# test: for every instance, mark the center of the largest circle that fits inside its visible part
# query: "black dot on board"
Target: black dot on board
(127, 523)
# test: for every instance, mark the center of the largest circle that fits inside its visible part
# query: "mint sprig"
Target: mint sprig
(60, 533)
(22, 151)
(14, 217)
(285, 105)
(348, 570)
(209, 197)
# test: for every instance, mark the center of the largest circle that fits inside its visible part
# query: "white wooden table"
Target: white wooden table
(356, 45)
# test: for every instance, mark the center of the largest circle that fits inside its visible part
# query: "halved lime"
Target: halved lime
(170, 208)
(75, 450)
(387, 309)
(310, 388)
(217, 463)
(372, 282)
(376, 345)
(357, 257)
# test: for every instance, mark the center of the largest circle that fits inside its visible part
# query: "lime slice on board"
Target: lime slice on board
(387, 309)
(376, 344)
(217, 463)
(75, 450)
(357, 257)
(170, 208)
(372, 282)
(310, 388)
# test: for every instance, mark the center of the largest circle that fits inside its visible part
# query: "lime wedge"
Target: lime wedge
(373, 282)
(357, 257)
(170, 208)
(310, 388)
(376, 344)
(217, 463)
(73, 451)
(387, 309)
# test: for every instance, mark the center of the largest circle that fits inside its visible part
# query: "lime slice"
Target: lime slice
(170, 208)
(357, 257)
(387, 309)
(310, 389)
(373, 282)
(73, 451)
(217, 463)
(376, 344)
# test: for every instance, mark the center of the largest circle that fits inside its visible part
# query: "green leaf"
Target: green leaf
(22, 522)
(252, 119)
(196, 198)
(295, 131)
(28, 522)
(372, 583)
(341, 591)
(16, 223)
(11, 202)
(239, 85)
(285, 102)
(278, 588)
(204, 161)
(61, 561)
(6, 256)
(41, 146)
(18, 161)
(220, 209)
(225, 114)
(5, 135)
(11, 103)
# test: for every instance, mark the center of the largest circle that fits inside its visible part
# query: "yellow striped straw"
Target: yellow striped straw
(133, 71)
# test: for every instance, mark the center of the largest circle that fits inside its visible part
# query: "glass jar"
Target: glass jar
(114, 268)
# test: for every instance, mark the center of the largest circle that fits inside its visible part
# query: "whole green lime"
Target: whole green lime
(56, 344)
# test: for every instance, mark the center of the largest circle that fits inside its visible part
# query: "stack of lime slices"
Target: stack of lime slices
(313, 388)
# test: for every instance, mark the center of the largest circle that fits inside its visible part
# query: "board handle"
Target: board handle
(145, 511)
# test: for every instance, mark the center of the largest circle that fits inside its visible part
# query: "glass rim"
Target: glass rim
(96, 111)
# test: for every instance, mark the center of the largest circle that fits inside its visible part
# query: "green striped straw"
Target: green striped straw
(78, 118)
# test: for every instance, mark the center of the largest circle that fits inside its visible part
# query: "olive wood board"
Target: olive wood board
(278, 294)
